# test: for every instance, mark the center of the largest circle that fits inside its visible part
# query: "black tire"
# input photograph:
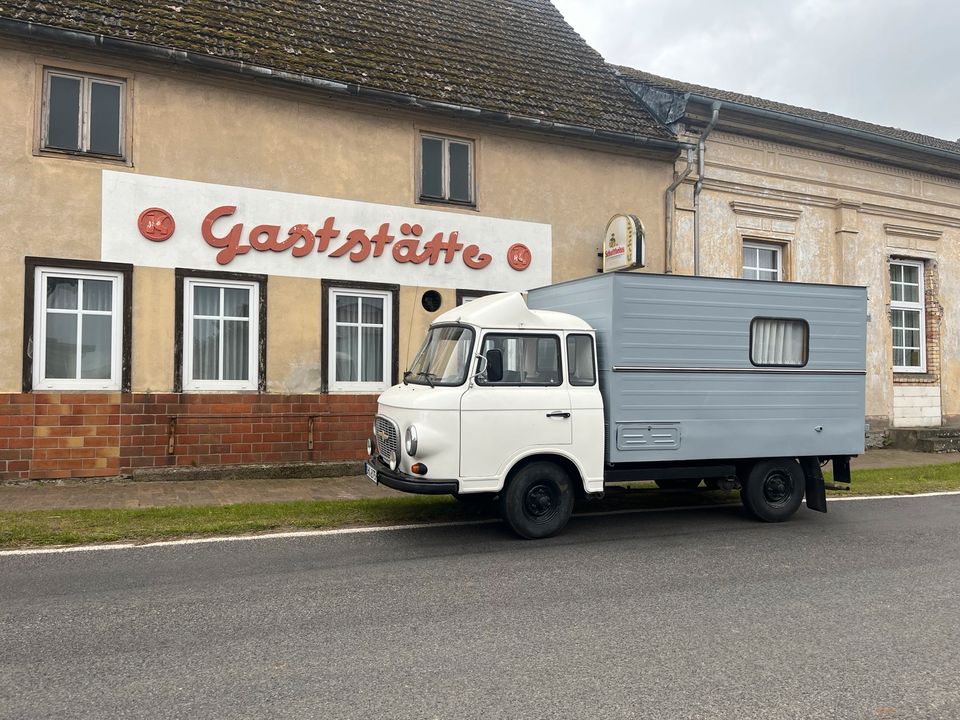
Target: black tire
(773, 490)
(678, 484)
(538, 500)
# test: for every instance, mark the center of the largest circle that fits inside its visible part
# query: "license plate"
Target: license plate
(371, 472)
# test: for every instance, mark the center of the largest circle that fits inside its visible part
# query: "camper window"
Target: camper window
(779, 342)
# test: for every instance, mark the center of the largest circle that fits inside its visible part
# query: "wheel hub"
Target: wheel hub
(777, 488)
(539, 501)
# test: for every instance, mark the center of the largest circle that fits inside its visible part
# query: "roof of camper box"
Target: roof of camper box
(509, 310)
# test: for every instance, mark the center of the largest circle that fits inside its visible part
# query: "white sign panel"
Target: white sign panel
(624, 244)
(162, 222)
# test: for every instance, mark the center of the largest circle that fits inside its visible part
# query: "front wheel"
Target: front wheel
(538, 501)
(774, 489)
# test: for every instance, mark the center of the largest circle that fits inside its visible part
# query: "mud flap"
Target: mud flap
(816, 490)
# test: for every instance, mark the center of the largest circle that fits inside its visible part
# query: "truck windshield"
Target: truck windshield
(444, 357)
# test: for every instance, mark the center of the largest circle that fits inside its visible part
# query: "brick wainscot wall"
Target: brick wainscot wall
(83, 435)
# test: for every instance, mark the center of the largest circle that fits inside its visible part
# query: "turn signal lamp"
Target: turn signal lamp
(419, 468)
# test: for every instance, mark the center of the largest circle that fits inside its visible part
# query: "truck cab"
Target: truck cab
(497, 390)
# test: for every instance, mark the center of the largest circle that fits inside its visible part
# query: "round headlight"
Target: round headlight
(369, 446)
(393, 461)
(410, 441)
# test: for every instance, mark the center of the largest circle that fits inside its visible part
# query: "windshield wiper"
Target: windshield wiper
(406, 376)
(429, 377)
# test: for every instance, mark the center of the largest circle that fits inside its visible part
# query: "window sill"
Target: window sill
(907, 378)
(85, 156)
(447, 203)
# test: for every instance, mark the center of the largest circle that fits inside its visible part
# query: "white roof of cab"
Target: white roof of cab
(509, 310)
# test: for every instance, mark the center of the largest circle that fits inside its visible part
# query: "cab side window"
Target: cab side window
(527, 359)
(580, 366)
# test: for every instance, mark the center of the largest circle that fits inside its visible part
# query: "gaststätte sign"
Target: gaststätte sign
(624, 244)
(163, 222)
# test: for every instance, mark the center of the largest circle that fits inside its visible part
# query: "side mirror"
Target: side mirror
(494, 365)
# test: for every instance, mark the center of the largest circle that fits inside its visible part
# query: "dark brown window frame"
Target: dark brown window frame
(31, 263)
(325, 287)
(180, 275)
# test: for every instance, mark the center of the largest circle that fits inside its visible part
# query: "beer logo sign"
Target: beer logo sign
(624, 247)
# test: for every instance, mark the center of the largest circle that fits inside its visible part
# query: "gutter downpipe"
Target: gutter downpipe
(669, 203)
(701, 151)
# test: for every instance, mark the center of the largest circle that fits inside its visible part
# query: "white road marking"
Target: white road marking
(393, 528)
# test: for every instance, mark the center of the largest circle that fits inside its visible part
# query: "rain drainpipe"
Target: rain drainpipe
(668, 200)
(701, 150)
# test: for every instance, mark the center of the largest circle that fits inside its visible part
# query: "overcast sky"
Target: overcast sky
(891, 62)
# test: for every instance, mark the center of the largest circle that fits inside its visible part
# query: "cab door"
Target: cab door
(528, 408)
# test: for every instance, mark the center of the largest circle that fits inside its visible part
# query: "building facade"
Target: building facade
(788, 193)
(218, 252)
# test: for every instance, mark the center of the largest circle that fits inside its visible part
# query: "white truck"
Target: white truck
(536, 400)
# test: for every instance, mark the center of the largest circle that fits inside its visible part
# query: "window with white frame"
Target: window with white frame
(762, 261)
(78, 329)
(221, 333)
(360, 339)
(907, 315)
(446, 169)
(83, 113)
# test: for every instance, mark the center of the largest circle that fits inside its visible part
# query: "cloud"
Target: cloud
(892, 62)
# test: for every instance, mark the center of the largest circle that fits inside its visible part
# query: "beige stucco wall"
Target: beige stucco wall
(230, 132)
(839, 220)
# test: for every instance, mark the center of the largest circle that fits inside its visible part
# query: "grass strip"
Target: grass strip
(83, 526)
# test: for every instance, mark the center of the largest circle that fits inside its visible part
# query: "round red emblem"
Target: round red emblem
(518, 255)
(156, 224)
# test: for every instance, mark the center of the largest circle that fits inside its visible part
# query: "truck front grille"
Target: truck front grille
(388, 437)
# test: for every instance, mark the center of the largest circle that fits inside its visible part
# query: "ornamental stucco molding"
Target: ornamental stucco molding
(825, 201)
(776, 213)
(912, 232)
(823, 155)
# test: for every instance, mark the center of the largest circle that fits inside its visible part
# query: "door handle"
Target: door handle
(558, 413)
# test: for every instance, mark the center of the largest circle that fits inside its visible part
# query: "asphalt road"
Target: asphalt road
(686, 614)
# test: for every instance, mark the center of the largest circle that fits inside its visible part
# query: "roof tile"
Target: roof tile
(510, 56)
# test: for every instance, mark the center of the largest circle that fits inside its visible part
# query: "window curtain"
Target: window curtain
(778, 342)
(221, 324)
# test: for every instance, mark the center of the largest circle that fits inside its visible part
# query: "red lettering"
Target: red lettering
(473, 258)
(230, 243)
(294, 236)
(357, 245)
(355, 239)
(381, 239)
(324, 235)
(449, 248)
(271, 232)
(406, 250)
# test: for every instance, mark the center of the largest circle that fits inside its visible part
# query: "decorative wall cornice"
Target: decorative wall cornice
(912, 232)
(777, 213)
(824, 201)
(823, 155)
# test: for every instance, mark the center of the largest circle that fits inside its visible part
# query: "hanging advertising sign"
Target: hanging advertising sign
(162, 222)
(624, 244)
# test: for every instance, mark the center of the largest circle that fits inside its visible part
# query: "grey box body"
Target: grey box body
(676, 375)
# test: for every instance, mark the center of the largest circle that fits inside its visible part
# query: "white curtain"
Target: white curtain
(778, 342)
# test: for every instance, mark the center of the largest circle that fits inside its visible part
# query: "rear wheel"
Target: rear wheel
(538, 501)
(774, 489)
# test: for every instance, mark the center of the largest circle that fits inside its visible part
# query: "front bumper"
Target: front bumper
(411, 483)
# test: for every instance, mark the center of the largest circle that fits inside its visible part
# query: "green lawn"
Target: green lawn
(71, 527)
